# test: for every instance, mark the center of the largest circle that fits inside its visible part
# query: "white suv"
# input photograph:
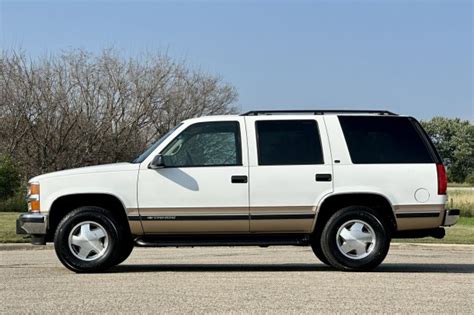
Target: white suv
(343, 182)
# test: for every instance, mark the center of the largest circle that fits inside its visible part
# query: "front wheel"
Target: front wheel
(318, 251)
(125, 250)
(355, 238)
(88, 240)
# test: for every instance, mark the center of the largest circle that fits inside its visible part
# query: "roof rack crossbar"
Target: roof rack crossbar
(318, 112)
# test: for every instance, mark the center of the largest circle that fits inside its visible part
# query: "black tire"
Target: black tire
(126, 248)
(68, 254)
(318, 251)
(375, 251)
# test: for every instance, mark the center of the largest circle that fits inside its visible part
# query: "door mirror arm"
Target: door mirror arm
(157, 162)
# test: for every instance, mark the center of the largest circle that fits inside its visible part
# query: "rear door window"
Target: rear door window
(379, 140)
(288, 142)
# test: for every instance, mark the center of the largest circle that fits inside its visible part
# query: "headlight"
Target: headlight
(33, 197)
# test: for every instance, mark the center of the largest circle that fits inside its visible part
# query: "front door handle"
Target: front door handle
(323, 177)
(239, 179)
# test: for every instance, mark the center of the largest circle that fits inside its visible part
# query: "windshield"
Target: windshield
(152, 147)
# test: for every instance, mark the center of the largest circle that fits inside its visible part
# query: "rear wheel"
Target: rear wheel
(88, 240)
(355, 238)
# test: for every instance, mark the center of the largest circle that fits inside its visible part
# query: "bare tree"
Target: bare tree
(77, 109)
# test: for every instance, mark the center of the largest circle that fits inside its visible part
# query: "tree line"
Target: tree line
(77, 108)
(454, 140)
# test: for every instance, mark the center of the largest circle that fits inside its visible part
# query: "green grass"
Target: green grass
(8, 228)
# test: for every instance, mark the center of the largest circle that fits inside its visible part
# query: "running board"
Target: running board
(223, 240)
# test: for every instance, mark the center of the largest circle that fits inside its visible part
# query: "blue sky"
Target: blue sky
(411, 57)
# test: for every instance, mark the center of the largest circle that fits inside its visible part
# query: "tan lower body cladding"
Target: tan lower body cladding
(417, 217)
(222, 219)
(260, 219)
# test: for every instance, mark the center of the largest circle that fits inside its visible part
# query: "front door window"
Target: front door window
(205, 144)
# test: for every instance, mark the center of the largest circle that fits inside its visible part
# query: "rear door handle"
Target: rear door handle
(239, 179)
(323, 177)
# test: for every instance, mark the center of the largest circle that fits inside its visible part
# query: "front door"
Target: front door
(290, 171)
(203, 187)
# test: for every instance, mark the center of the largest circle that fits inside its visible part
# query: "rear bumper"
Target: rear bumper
(451, 217)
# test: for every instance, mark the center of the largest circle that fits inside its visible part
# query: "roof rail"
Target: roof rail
(317, 112)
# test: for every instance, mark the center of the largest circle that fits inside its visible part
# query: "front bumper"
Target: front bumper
(451, 217)
(34, 224)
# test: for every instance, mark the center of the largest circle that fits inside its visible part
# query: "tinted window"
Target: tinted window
(288, 142)
(384, 140)
(205, 144)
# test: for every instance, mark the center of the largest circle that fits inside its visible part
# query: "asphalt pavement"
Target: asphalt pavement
(413, 279)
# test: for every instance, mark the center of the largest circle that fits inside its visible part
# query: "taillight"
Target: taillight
(442, 179)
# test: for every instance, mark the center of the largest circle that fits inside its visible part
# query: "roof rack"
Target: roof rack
(317, 112)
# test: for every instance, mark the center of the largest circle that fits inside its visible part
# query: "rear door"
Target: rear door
(290, 170)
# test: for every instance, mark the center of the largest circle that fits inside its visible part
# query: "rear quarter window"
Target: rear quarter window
(380, 140)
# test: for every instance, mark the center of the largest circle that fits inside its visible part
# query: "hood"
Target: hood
(116, 167)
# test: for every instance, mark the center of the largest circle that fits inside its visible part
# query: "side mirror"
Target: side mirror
(157, 162)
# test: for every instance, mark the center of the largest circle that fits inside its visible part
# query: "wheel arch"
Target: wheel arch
(333, 202)
(64, 204)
